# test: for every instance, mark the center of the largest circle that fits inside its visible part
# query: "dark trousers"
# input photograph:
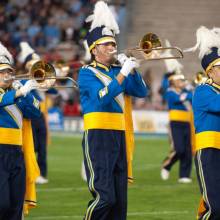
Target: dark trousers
(207, 163)
(40, 143)
(181, 140)
(12, 182)
(106, 169)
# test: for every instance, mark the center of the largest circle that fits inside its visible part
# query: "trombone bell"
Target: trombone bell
(147, 43)
(41, 71)
(151, 48)
(45, 74)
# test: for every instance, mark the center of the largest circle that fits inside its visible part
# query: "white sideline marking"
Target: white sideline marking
(145, 187)
(158, 213)
(64, 189)
(129, 214)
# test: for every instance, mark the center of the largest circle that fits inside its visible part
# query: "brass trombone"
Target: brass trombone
(45, 74)
(149, 44)
(200, 78)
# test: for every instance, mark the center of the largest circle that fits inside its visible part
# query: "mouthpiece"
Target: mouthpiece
(113, 52)
(8, 79)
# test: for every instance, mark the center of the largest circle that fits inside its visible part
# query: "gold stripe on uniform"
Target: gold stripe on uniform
(91, 180)
(208, 139)
(180, 115)
(201, 175)
(104, 120)
(11, 136)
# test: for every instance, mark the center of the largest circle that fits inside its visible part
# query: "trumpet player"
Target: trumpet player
(14, 106)
(103, 87)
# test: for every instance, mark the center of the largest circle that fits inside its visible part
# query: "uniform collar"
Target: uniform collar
(215, 85)
(100, 65)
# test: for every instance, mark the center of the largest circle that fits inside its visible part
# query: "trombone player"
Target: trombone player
(14, 106)
(103, 87)
(206, 109)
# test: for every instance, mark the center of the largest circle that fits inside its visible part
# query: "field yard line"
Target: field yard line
(158, 213)
(137, 136)
(62, 189)
(129, 214)
(147, 186)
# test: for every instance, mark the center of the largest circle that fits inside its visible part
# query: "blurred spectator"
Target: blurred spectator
(52, 33)
(55, 115)
(71, 108)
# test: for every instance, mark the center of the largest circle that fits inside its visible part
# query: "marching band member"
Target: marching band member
(102, 88)
(14, 106)
(180, 117)
(27, 57)
(206, 108)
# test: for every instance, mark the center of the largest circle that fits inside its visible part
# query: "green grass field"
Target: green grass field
(66, 195)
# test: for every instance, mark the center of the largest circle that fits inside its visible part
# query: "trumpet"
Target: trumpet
(150, 47)
(45, 74)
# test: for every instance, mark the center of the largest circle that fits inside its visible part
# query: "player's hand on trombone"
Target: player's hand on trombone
(129, 65)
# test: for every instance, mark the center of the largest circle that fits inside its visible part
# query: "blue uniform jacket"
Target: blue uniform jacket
(102, 97)
(179, 105)
(206, 108)
(12, 112)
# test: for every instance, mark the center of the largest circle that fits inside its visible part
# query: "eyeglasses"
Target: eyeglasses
(8, 71)
(109, 43)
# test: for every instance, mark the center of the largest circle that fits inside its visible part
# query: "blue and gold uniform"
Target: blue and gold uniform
(15, 107)
(206, 109)
(180, 117)
(12, 168)
(102, 100)
(105, 91)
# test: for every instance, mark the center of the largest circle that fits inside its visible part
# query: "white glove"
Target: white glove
(122, 58)
(29, 85)
(17, 85)
(46, 84)
(129, 65)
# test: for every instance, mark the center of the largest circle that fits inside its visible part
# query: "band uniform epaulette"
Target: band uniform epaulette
(93, 64)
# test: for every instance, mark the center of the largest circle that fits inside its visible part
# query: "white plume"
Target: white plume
(5, 55)
(26, 50)
(206, 39)
(102, 16)
(172, 65)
